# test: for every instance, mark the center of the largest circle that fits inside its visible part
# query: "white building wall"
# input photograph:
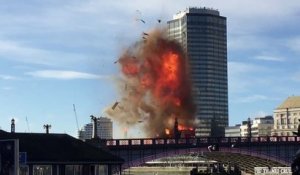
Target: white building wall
(286, 121)
(232, 131)
(104, 129)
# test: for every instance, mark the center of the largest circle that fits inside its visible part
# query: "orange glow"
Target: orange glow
(168, 81)
(167, 131)
(180, 127)
(130, 68)
(146, 81)
(157, 83)
(170, 67)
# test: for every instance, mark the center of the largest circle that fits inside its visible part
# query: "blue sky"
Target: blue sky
(54, 54)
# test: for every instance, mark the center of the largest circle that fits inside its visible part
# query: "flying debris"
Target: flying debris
(115, 105)
(158, 20)
(116, 61)
(122, 108)
(142, 21)
(158, 86)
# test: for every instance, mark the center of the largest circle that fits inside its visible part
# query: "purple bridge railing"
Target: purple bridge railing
(200, 141)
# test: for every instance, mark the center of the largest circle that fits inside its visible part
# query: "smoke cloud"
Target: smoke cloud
(155, 86)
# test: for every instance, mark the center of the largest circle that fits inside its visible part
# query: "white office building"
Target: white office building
(104, 129)
(262, 126)
(233, 131)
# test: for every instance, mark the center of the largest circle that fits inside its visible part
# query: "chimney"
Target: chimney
(13, 126)
(94, 120)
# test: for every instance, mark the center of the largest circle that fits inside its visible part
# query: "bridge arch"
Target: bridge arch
(222, 150)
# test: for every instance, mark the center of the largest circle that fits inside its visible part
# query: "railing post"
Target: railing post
(117, 142)
(129, 142)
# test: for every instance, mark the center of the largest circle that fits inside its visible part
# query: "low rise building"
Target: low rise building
(244, 129)
(233, 131)
(286, 117)
(262, 126)
(54, 154)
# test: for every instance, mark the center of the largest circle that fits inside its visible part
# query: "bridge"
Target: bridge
(246, 152)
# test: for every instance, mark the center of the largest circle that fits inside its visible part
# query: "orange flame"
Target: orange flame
(158, 84)
(167, 131)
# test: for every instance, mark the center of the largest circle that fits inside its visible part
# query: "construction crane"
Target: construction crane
(76, 117)
(27, 124)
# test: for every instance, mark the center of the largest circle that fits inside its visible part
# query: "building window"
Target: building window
(73, 170)
(24, 170)
(101, 170)
(42, 170)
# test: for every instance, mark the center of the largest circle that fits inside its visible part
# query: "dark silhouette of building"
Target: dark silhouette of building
(59, 154)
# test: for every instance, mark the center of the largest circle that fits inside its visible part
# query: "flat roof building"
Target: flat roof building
(56, 154)
(233, 131)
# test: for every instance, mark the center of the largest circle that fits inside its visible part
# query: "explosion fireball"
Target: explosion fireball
(155, 86)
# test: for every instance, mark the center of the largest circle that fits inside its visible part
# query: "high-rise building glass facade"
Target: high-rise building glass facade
(202, 33)
(104, 129)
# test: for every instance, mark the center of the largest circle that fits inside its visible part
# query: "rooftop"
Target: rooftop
(42, 147)
(201, 10)
(290, 102)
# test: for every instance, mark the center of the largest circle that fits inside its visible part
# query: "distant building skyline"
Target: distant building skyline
(48, 65)
(233, 131)
(202, 33)
(104, 129)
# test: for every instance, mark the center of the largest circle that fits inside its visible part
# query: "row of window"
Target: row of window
(219, 54)
(206, 38)
(284, 121)
(206, 81)
(206, 71)
(199, 60)
(208, 75)
(212, 28)
(210, 92)
(205, 32)
(289, 126)
(288, 114)
(206, 19)
(196, 23)
(214, 90)
(208, 44)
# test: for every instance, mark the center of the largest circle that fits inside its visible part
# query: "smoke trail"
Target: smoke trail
(155, 85)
